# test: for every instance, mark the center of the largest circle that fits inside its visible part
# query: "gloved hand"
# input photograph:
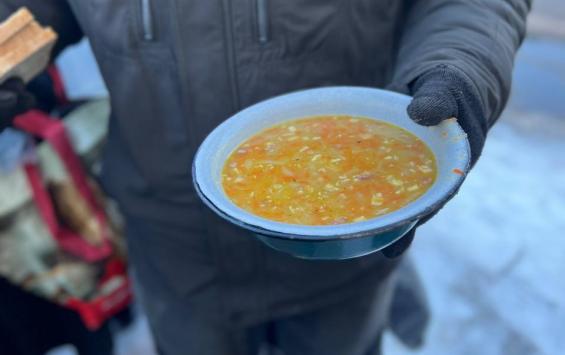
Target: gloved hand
(445, 92)
(438, 94)
(14, 100)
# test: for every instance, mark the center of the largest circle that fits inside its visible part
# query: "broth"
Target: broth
(327, 170)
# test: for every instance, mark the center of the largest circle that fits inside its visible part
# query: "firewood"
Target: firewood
(25, 46)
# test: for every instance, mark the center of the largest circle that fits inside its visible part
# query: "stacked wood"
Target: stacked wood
(25, 46)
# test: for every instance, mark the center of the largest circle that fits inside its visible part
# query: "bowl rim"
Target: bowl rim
(411, 218)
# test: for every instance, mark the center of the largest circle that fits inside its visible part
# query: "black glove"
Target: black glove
(446, 92)
(14, 100)
(438, 94)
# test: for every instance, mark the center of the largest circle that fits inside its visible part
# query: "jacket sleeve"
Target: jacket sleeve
(54, 13)
(479, 38)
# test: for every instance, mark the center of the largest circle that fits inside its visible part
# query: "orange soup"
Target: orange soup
(328, 170)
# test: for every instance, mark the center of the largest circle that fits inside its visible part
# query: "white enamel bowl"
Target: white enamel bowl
(447, 141)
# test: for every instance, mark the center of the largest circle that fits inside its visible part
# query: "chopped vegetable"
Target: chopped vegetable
(329, 170)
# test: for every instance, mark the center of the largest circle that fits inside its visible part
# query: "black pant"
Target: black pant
(30, 325)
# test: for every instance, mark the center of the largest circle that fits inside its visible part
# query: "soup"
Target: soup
(328, 170)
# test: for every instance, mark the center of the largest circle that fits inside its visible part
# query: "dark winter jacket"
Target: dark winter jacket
(177, 68)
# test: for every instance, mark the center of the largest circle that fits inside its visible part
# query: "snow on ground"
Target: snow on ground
(493, 260)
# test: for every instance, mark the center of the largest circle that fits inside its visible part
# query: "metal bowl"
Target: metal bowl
(447, 141)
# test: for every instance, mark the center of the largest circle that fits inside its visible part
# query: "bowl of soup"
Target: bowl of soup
(329, 173)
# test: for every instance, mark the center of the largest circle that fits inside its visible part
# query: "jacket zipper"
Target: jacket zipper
(147, 27)
(230, 53)
(262, 21)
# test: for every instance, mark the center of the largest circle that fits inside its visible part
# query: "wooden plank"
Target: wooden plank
(15, 23)
(25, 46)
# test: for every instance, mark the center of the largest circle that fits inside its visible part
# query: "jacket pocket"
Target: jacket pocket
(297, 27)
(262, 20)
(108, 24)
(119, 27)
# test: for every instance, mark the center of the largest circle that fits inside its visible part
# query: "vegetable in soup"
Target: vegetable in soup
(328, 170)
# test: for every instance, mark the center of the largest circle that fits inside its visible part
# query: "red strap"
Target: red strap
(53, 131)
(58, 85)
(95, 312)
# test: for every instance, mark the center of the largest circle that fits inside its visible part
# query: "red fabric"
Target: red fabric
(94, 313)
(53, 131)
(58, 85)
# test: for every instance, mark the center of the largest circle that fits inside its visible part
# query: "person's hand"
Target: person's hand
(444, 92)
(14, 100)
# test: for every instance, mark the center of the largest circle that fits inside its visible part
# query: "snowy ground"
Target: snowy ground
(493, 260)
